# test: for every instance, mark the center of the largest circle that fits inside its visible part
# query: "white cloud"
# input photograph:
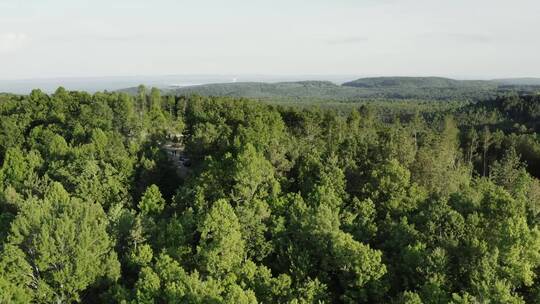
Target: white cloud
(10, 42)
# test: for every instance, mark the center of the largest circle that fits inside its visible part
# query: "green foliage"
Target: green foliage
(152, 203)
(221, 248)
(253, 177)
(61, 246)
(19, 168)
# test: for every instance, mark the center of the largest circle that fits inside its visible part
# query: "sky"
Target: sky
(85, 38)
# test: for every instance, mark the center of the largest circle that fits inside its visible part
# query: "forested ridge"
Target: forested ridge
(396, 88)
(373, 203)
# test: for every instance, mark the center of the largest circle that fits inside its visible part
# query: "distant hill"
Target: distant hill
(426, 88)
(300, 89)
(530, 81)
(325, 90)
(417, 82)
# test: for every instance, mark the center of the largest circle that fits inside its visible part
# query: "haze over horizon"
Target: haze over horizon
(60, 38)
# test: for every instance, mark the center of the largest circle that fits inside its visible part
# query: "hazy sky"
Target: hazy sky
(456, 38)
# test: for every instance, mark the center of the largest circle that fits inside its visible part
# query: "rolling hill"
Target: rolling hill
(417, 83)
(425, 88)
(526, 81)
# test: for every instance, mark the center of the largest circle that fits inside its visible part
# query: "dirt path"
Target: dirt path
(178, 157)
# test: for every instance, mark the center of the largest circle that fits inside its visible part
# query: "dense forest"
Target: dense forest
(376, 202)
